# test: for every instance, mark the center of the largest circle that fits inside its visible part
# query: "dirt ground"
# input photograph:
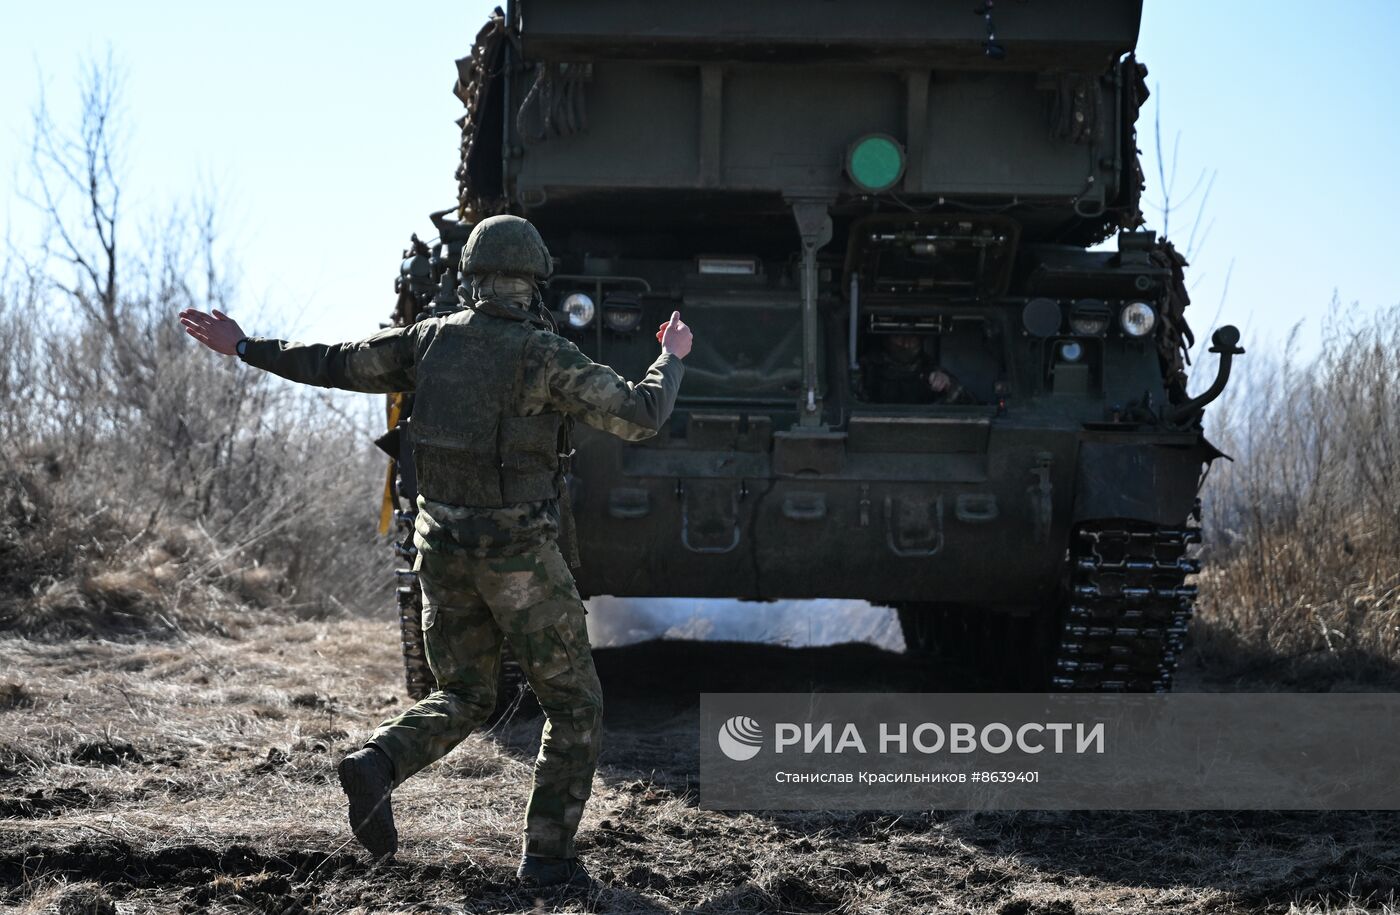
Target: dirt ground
(197, 774)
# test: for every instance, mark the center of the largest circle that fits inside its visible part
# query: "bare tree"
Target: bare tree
(1168, 173)
(78, 187)
(85, 161)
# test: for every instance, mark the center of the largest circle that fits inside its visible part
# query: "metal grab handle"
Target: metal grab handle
(1224, 341)
(804, 506)
(936, 540)
(976, 507)
(685, 526)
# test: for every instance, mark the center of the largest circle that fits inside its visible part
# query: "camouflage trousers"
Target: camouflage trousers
(469, 606)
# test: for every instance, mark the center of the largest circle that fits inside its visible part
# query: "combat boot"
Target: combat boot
(367, 776)
(540, 873)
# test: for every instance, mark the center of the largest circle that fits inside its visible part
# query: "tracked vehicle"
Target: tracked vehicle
(939, 365)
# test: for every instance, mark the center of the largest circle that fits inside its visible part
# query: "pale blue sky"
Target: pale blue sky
(328, 129)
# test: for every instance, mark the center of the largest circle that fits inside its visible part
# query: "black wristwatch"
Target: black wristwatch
(241, 347)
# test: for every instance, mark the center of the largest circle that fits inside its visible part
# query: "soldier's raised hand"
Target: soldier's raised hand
(674, 336)
(218, 331)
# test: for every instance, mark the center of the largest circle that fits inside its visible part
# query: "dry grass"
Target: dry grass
(200, 777)
(1302, 584)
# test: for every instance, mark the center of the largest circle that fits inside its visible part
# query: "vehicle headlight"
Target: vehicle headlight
(1089, 318)
(1071, 351)
(622, 319)
(1137, 319)
(578, 306)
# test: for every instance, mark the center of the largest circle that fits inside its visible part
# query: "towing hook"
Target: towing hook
(1226, 342)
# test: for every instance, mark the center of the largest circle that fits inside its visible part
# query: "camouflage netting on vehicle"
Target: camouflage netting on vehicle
(1135, 94)
(1176, 339)
(556, 105)
(475, 73)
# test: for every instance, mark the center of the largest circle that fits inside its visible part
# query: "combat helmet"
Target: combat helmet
(506, 244)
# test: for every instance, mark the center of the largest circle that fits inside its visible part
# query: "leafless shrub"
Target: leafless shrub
(149, 484)
(1304, 577)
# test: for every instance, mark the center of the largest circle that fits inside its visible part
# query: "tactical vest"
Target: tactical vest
(470, 445)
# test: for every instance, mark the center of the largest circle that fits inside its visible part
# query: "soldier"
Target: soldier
(494, 385)
(901, 373)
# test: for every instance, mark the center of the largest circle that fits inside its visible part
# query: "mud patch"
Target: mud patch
(15, 695)
(645, 878)
(197, 874)
(288, 881)
(86, 899)
(15, 761)
(793, 893)
(263, 891)
(46, 802)
(1030, 907)
(106, 752)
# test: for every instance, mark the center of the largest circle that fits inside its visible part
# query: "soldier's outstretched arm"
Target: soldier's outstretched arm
(600, 397)
(380, 364)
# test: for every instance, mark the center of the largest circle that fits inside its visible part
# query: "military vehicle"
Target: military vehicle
(854, 205)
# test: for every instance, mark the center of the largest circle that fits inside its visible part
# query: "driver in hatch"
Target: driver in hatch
(901, 372)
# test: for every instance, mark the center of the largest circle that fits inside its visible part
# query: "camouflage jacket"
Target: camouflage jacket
(557, 376)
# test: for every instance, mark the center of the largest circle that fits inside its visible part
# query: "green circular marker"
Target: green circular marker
(875, 162)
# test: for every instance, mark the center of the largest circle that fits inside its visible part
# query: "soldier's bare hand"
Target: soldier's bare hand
(217, 331)
(939, 380)
(675, 336)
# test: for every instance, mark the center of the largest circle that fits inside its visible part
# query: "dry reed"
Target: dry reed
(1302, 580)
